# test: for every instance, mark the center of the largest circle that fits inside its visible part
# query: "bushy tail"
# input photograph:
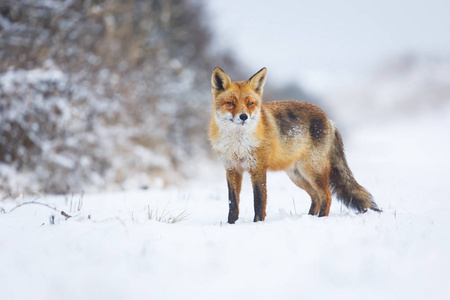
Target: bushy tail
(344, 185)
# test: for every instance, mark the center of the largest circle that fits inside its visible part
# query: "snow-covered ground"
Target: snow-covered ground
(111, 249)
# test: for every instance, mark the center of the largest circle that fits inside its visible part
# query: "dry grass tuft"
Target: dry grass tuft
(166, 217)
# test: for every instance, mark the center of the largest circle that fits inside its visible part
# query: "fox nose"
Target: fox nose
(243, 117)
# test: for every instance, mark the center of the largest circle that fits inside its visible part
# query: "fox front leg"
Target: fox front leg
(259, 194)
(234, 180)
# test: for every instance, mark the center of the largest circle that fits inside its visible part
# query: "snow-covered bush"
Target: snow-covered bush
(47, 135)
(99, 93)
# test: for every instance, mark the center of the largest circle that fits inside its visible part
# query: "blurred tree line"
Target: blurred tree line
(96, 93)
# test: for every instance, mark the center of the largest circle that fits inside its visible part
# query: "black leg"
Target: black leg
(259, 195)
(234, 180)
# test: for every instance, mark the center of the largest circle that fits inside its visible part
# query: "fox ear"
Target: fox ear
(220, 81)
(257, 81)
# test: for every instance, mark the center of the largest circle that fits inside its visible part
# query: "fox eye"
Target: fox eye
(230, 103)
(250, 104)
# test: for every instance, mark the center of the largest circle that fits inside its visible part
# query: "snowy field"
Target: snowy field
(114, 246)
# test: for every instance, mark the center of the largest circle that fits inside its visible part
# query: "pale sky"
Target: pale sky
(308, 39)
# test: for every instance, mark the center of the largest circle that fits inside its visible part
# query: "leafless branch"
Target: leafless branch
(42, 204)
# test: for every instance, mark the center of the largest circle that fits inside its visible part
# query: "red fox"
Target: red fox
(294, 136)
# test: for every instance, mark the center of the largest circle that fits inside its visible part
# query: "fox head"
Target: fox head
(237, 102)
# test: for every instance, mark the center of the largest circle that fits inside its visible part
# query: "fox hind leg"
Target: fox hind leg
(318, 178)
(324, 192)
(315, 184)
(298, 179)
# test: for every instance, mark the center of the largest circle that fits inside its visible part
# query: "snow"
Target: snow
(110, 249)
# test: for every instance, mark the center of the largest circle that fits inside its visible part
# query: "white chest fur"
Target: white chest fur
(236, 143)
